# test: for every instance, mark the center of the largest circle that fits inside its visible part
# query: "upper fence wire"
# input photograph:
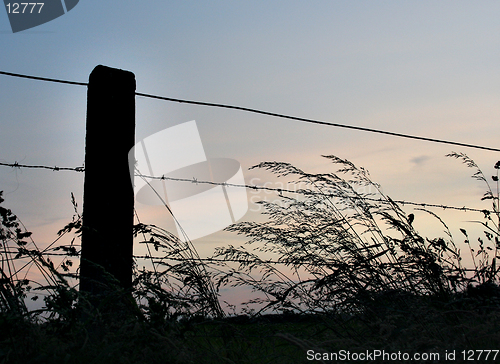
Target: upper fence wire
(268, 113)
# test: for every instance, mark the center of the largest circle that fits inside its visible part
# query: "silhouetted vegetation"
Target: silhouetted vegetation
(336, 266)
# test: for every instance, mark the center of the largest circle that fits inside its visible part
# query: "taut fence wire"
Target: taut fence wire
(260, 188)
(268, 113)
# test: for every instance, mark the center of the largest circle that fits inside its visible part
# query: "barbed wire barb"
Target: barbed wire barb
(54, 168)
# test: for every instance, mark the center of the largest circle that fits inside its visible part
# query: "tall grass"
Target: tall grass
(357, 274)
(179, 284)
(345, 247)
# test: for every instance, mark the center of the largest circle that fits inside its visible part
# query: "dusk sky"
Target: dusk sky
(426, 68)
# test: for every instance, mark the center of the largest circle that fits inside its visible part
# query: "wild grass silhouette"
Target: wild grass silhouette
(352, 248)
(362, 278)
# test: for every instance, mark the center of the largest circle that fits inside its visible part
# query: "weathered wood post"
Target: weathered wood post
(108, 196)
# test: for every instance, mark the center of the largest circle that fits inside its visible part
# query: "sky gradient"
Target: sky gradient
(424, 68)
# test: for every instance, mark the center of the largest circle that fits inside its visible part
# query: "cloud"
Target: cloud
(420, 160)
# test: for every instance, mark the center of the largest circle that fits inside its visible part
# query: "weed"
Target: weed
(362, 278)
(350, 250)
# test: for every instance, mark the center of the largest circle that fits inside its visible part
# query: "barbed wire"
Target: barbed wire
(55, 168)
(262, 112)
(157, 259)
(314, 193)
(264, 188)
(247, 261)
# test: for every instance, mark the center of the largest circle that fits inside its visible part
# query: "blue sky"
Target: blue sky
(425, 68)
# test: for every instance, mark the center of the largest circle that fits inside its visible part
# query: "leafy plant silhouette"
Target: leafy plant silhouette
(20, 255)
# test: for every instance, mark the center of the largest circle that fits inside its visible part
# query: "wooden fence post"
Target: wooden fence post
(108, 200)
